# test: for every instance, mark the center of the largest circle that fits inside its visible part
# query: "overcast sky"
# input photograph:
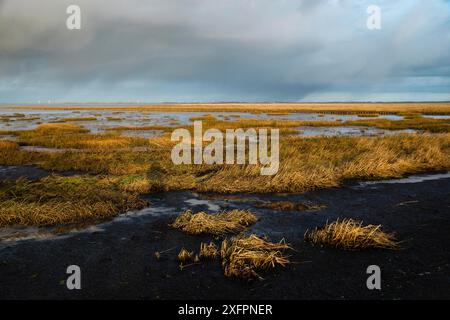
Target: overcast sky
(224, 50)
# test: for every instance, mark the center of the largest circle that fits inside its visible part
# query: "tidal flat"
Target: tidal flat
(96, 185)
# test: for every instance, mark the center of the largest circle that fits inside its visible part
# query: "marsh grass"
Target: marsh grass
(8, 145)
(342, 108)
(74, 119)
(233, 221)
(246, 257)
(290, 206)
(57, 200)
(208, 250)
(352, 235)
(72, 136)
(185, 255)
(141, 128)
(113, 119)
(368, 115)
(305, 164)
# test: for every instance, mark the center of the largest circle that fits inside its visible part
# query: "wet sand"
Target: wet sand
(117, 257)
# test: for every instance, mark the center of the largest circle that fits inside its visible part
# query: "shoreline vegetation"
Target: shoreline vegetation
(112, 170)
(422, 107)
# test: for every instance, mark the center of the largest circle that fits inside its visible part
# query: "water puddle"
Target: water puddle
(45, 149)
(410, 179)
(142, 133)
(307, 131)
(16, 172)
(10, 236)
(437, 116)
(8, 137)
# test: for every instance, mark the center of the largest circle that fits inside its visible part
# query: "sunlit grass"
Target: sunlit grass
(57, 200)
(305, 164)
(353, 235)
(8, 145)
(246, 257)
(217, 224)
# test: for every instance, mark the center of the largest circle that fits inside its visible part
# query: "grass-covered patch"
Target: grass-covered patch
(208, 250)
(57, 200)
(247, 257)
(73, 136)
(411, 121)
(233, 221)
(352, 235)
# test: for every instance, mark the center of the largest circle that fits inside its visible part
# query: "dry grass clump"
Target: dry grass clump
(185, 255)
(290, 206)
(208, 250)
(352, 235)
(368, 115)
(244, 257)
(217, 224)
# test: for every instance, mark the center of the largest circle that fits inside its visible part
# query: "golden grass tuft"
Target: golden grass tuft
(217, 224)
(244, 257)
(352, 235)
(8, 145)
(185, 255)
(48, 127)
(208, 250)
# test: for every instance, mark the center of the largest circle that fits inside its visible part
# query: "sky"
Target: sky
(224, 50)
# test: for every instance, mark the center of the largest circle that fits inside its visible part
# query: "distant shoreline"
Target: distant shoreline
(345, 107)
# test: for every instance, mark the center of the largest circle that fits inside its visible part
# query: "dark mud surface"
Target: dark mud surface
(117, 258)
(11, 173)
(16, 172)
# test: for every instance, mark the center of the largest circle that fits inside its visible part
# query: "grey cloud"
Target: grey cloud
(222, 50)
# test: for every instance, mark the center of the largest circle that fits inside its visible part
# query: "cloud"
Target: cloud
(201, 50)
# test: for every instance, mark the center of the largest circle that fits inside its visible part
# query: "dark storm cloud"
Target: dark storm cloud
(202, 50)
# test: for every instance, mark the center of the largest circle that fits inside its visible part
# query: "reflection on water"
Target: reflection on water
(29, 119)
(410, 179)
(142, 133)
(348, 131)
